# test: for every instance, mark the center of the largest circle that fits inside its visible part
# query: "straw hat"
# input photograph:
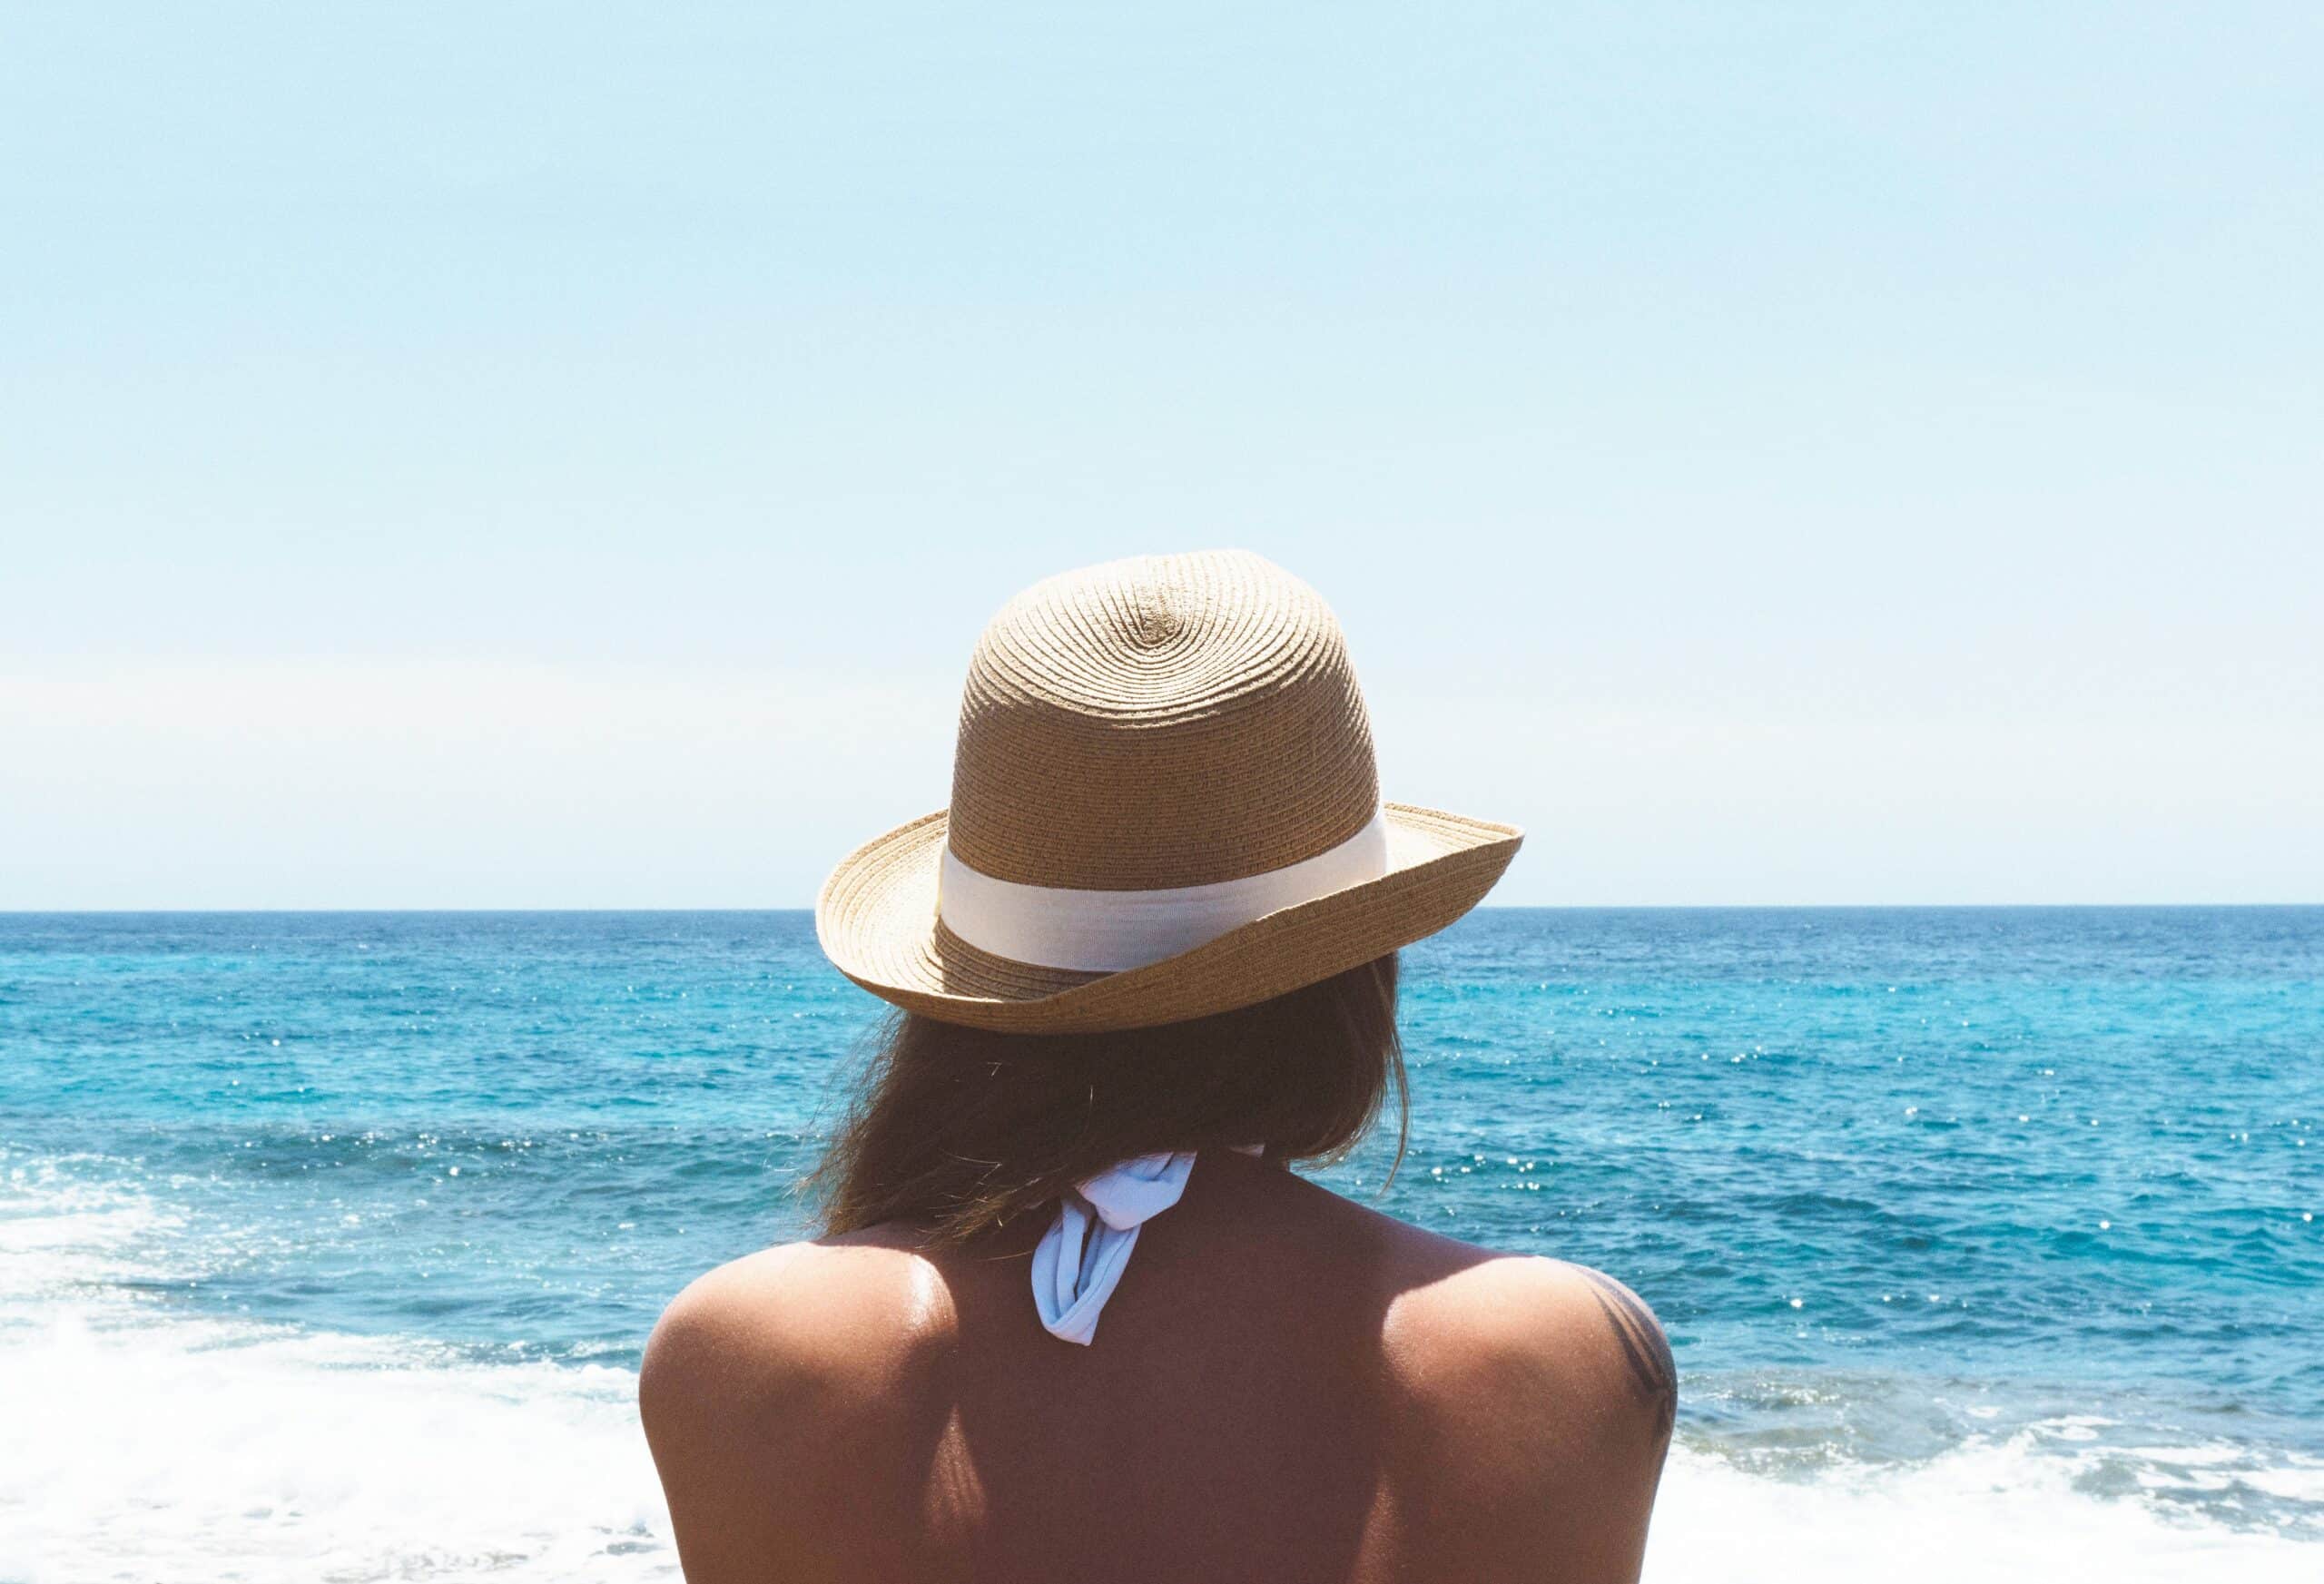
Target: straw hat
(1164, 805)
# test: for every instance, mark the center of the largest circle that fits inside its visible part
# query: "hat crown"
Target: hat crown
(1163, 722)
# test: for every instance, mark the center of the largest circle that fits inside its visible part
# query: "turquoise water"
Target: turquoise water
(1942, 1208)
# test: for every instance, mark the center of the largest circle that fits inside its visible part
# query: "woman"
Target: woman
(1147, 960)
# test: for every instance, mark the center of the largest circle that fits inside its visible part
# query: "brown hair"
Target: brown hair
(962, 1129)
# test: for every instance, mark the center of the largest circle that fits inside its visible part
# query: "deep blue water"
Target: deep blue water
(1896, 1180)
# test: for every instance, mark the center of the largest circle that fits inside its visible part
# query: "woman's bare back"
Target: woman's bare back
(1287, 1386)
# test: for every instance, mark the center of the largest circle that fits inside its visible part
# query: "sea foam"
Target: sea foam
(2003, 1510)
(143, 1442)
(147, 1439)
(221, 1455)
(291, 1458)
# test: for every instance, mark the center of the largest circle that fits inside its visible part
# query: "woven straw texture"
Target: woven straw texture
(1167, 721)
(1198, 712)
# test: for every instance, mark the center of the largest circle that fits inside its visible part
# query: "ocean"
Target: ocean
(1987, 1239)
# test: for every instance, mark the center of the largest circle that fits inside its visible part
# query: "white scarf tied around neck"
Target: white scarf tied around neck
(1080, 1258)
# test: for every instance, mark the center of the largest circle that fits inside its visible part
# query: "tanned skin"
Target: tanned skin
(1286, 1387)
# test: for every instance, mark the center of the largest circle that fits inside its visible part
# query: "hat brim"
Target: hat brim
(876, 919)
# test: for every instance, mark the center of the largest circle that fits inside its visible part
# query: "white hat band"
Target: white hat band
(1093, 931)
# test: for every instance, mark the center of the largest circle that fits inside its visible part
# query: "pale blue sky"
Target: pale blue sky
(559, 456)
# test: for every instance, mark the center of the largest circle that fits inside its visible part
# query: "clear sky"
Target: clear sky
(557, 455)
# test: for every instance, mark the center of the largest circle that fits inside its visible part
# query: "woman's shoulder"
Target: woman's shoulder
(800, 1307)
(1482, 1313)
(1456, 1310)
(759, 1369)
(1538, 1395)
(816, 1326)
